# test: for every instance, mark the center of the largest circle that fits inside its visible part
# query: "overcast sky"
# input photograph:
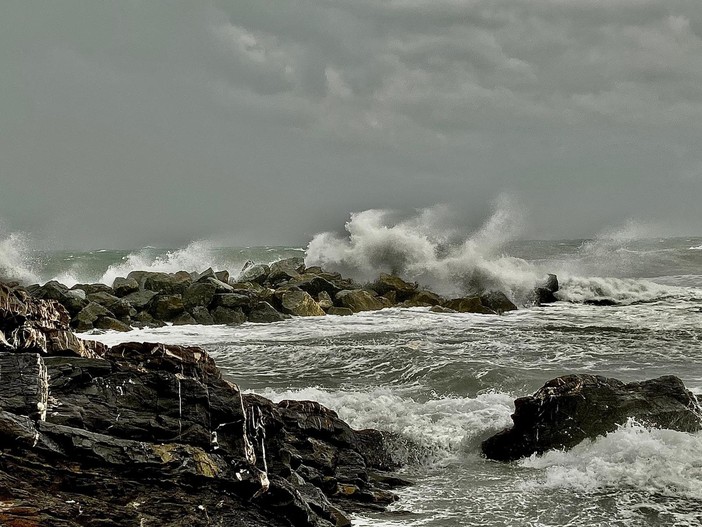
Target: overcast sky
(139, 122)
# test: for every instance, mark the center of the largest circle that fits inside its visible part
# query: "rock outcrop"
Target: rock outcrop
(150, 434)
(570, 409)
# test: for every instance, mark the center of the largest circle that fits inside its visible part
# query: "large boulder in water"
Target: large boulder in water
(360, 300)
(299, 303)
(166, 307)
(497, 301)
(123, 286)
(387, 283)
(545, 292)
(570, 409)
(470, 304)
(199, 294)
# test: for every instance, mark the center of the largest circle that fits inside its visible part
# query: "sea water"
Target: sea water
(446, 381)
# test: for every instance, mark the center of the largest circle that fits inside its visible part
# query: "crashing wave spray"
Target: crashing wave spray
(16, 259)
(425, 249)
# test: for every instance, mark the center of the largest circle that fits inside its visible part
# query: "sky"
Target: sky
(135, 122)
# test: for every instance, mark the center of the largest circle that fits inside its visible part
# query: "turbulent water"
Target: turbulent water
(445, 382)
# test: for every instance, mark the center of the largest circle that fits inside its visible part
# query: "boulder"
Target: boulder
(85, 319)
(220, 286)
(74, 300)
(423, 298)
(572, 408)
(124, 286)
(94, 288)
(225, 315)
(254, 273)
(109, 323)
(232, 300)
(545, 293)
(263, 312)
(199, 294)
(166, 307)
(359, 300)
(167, 284)
(339, 311)
(139, 299)
(315, 284)
(120, 307)
(388, 282)
(299, 303)
(497, 301)
(201, 315)
(285, 269)
(184, 319)
(471, 304)
(324, 300)
(51, 290)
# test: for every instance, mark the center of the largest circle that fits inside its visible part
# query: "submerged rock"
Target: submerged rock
(570, 409)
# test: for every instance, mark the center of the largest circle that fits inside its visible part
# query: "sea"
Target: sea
(443, 382)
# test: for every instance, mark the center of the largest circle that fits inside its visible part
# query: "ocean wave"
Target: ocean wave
(655, 461)
(697, 248)
(440, 428)
(17, 261)
(618, 290)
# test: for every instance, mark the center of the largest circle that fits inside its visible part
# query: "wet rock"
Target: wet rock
(299, 303)
(232, 300)
(85, 319)
(263, 312)
(199, 294)
(124, 286)
(118, 306)
(468, 305)
(220, 286)
(51, 290)
(285, 270)
(570, 409)
(225, 315)
(184, 319)
(24, 388)
(315, 284)
(74, 301)
(201, 315)
(166, 307)
(497, 301)
(112, 324)
(388, 282)
(204, 275)
(359, 300)
(167, 284)
(94, 288)
(423, 299)
(254, 273)
(324, 300)
(139, 299)
(339, 311)
(545, 292)
(602, 302)
(442, 309)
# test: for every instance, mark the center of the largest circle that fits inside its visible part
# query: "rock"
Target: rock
(471, 304)
(207, 273)
(232, 300)
(166, 307)
(358, 300)
(51, 290)
(387, 283)
(167, 284)
(225, 315)
(120, 307)
(263, 312)
(569, 409)
(199, 294)
(299, 303)
(497, 301)
(145, 319)
(74, 300)
(254, 273)
(602, 302)
(545, 292)
(423, 299)
(442, 309)
(315, 284)
(220, 286)
(84, 320)
(339, 311)
(324, 300)
(139, 299)
(184, 319)
(112, 324)
(222, 276)
(285, 269)
(124, 286)
(24, 388)
(201, 315)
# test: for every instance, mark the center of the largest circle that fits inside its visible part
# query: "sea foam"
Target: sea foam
(17, 261)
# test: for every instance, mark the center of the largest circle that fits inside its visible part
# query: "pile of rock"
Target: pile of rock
(149, 434)
(262, 293)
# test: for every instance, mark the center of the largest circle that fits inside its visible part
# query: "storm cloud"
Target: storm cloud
(131, 123)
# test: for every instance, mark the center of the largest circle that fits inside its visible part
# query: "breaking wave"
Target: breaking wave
(17, 261)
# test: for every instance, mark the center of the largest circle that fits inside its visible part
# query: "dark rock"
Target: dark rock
(285, 269)
(220, 286)
(199, 294)
(201, 315)
(545, 292)
(442, 309)
(315, 284)
(124, 286)
(388, 282)
(145, 319)
(139, 299)
(263, 312)
(167, 284)
(84, 320)
(51, 290)
(497, 301)
(232, 300)
(204, 275)
(74, 300)
(254, 273)
(112, 324)
(222, 276)
(225, 315)
(359, 300)
(468, 305)
(299, 303)
(423, 299)
(166, 307)
(569, 409)
(118, 306)
(324, 300)
(602, 302)
(24, 388)
(184, 319)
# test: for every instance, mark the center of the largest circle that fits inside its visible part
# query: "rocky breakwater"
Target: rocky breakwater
(261, 293)
(573, 408)
(149, 434)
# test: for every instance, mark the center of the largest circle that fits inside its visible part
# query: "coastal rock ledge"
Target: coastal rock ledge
(152, 435)
(572, 408)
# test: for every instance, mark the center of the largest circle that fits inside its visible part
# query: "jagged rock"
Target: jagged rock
(124, 286)
(84, 320)
(232, 300)
(225, 315)
(570, 409)
(24, 388)
(339, 311)
(497, 301)
(199, 294)
(222, 276)
(201, 315)
(145, 319)
(468, 305)
(184, 319)
(390, 283)
(359, 300)
(220, 286)
(51, 290)
(166, 307)
(254, 273)
(74, 300)
(315, 284)
(299, 303)
(120, 307)
(263, 312)
(204, 275)
(285, 269)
